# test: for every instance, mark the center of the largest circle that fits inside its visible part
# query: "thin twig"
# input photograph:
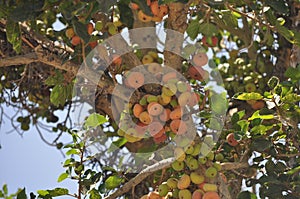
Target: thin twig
(42, 137)
(248, 16)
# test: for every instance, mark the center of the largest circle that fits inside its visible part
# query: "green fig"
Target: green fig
(196, 178)
(178, 166)
(99, 25)
(181, 86)
(210, 155)
(211, 172)
(219, 157)
(184, 182)
(163, 189)
(202, 160)
(193, 164)
(217, 165)
(172, 183)
(179, 154)
(185, 194)
(189, 149)
(197, 148)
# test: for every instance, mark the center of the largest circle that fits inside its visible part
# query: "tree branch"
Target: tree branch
(140, 177)
(40, 55)
(234, 165)
(162, 165)
(19, 60)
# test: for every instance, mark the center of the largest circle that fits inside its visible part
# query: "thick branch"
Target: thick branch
(176, 21)
(140, 177)
(40, 55)
(54, 61)
(19, 60)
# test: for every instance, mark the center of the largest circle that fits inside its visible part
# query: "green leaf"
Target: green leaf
(113, 182)
(58, 192)
(4, 188)
(248, 96)
(22, 194)
(1, 194)
(256, 114)
(106, 5)
(230, 19)
(280, 167)
(26, 9)
(285, 32)
(67, 9)
(270, 16)
(237, 116)
(81, 30)
(58, 78)
(219, 104)
(120, 142)
(260, 144)
(13, 34)
(68, 162)
(278, 5)
(296, 37)
(273, 82)
(261, 129)
(58, 95)
(125, 14)
(208, 29)
(292, 73)
(244, 124)
(42, 192)
(294, 170)
(69, 91)
(62, 177)
(94, 194)
(73, 152)
(193, 29)
(291, 98)
(246, 195)
(95, 120)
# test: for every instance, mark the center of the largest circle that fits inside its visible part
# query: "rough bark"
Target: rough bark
(177, 21)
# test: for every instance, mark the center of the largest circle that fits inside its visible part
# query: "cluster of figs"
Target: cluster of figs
(194, 173)
(164, 112)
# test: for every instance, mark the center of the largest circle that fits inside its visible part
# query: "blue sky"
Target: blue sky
(28, 162)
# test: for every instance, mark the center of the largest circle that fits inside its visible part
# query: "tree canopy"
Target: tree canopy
(161, 98)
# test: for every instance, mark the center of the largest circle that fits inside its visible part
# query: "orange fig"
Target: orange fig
(90, 28)
(211, 195)
(156, 129)
(176, 113)
(75, 40)
(137, 110)
(165, 115)
(160, 139)
(178, 127)
(155, 108)
(145, 118)
(200, 59)
(135, 79)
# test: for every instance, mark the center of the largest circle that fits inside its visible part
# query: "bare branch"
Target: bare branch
(234, 165)
(140, 177)
(19, 60)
